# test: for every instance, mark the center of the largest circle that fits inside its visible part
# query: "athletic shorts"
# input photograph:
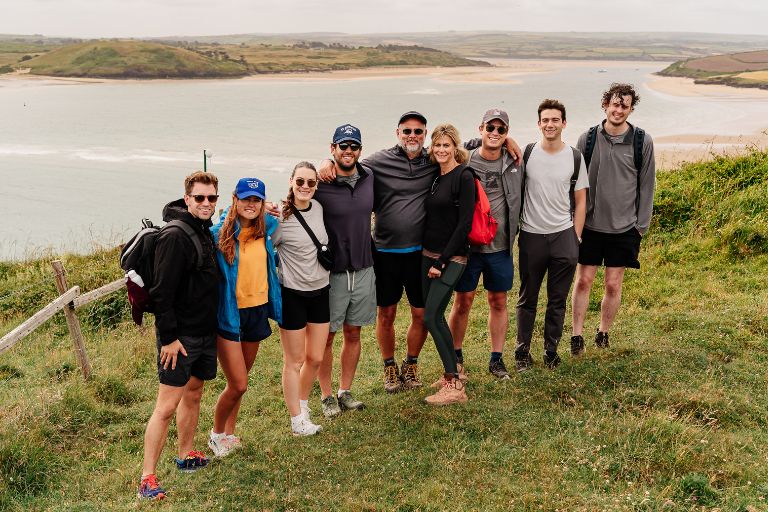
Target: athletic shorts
(254, 325)
(395, 272)
(496, 268)
(302, 308)
(353, 298)
(610, 249)
(199, 362)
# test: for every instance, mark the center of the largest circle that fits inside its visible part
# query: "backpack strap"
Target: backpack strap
(193, 236)
(457, 182)
(527, 152)
(590, 146)
(638, 139)
(574, 178)
(526, 156)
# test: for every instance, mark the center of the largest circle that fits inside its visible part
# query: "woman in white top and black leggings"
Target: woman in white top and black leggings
(304, 285)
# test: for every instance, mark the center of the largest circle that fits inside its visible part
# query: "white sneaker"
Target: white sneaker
(306, 428)
(219, 445)
(234, 442)
(306, 411)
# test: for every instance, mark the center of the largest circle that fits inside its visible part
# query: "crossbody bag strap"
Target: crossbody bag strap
(304, 224)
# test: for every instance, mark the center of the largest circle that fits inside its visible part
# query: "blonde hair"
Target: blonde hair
(448, 130)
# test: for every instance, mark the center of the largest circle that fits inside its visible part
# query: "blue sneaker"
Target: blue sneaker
(192, 462)
(149, 489)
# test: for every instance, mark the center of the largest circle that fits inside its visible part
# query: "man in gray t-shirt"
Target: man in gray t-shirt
(501, 179)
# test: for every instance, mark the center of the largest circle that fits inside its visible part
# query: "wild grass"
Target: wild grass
(672, 417)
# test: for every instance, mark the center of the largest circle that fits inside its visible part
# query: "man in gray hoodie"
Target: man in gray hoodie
(622, 175)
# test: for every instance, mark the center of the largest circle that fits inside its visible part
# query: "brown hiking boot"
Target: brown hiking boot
(409, 374)
(441, 381)
(391, 379)
(452, 392)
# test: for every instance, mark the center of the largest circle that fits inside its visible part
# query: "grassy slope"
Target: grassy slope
(672, 417)
(746, 69)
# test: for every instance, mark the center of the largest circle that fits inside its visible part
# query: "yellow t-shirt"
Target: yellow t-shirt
(252, 288)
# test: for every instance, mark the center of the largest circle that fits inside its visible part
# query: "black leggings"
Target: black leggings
(437, 294)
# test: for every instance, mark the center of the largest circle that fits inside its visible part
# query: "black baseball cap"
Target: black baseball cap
(412, 114)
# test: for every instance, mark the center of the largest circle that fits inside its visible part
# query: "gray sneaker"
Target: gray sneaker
(330, 407)
(499, 370)
(524, 364)
(347, 403)
(601, 339)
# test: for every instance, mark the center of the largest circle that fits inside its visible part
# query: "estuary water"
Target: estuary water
(82, 163)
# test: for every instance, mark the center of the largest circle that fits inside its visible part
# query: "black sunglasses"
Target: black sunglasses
(199, 198)
(416, 131)
(346, 145)
(491, 127)
(300, 182)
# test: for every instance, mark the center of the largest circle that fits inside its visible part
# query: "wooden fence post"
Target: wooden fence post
(72, 322)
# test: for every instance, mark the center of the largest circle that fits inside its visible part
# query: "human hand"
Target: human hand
(169, 353)
(513, 148)
(433, 273)
(272, 209)
(326, 171)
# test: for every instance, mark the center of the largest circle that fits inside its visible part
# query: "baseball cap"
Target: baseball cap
(347, 132)
(248, 187)
(412, 114)
(496, 113)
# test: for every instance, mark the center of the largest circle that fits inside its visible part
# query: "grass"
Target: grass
(745, 69)
(672, 417)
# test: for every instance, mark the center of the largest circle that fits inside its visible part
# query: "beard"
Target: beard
(411, 148)
(346, 168)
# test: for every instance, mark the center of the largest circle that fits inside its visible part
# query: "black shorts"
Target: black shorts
(396, 271)
(254, 325)
(302, 308)
(610, 249)
(199, 362)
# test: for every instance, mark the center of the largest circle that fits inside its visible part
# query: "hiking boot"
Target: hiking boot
(149, 489)
(192, 462)
(330, 407)
(524, 364)
(601, 339)
(305, 428)
(577, 346)
(409, 374)
(392, 382)
(452, 392)
(347, 403)
(551, 360)
(499, 370)
(219, 444)
(439, 383)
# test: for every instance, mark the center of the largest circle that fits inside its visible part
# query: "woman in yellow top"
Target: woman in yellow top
(249, 293)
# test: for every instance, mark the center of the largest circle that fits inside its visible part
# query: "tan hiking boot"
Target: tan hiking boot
(409, 374)
(441, 381)
(452, 392)
(392, 382)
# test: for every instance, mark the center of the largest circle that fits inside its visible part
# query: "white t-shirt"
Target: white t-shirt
(299, 268)
(547, 207)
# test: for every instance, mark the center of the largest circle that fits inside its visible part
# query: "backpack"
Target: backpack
(483, 224)
(137, 258)
(574, 176)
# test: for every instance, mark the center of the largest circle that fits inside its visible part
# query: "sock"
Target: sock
(304, 406)
(341, 391)
(296, 420)
(217, 435)
(390, 362)
(495, 356)
(411, 359)
(459, 355)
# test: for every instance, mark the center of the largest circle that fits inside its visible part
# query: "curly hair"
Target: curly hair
(291, 199)
(448, 130)
(227, 231)
(549, 104)
(620, 90)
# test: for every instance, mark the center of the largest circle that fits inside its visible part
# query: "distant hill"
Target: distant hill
(745, 69)
(131, 59)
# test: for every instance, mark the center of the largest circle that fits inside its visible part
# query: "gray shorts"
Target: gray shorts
(353, 298)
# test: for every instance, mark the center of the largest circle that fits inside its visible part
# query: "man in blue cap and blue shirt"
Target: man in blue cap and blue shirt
(347, 206)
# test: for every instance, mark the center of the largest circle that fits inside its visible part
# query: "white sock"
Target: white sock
(341, 391)
(217, 435)
(304, 405)
(296, 420)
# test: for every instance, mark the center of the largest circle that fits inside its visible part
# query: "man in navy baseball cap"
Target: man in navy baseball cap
(347, 133)
(248, 187)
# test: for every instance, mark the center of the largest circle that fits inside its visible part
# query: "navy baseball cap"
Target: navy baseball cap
(248, 187)
(412, 114)
(347, 132)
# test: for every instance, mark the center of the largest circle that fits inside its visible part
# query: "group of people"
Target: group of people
(311, 266)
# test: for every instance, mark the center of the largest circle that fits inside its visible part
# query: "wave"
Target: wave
(427, 92)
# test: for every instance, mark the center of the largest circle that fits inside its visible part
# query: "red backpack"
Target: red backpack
(483, 224)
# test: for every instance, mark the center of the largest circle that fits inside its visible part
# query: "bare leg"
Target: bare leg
(249, 349)
(585, 276)
(314, 349)
(326, 368)
(417, 333)
(459, 316)
(498, 320)
(293, 359)
(350, 355)
(230, 356)
(168, 398)
(188, 414)
(385, 330)
(614, 277)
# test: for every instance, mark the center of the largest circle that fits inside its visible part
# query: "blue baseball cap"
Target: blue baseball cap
(347, 132)
(248, 187)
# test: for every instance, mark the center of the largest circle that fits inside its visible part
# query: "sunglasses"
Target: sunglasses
(301, 181)
(346, 145)
(490, 128)
(199, 198)
(415, 131)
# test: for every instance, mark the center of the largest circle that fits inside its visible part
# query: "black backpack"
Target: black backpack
(638, 138)
(138, 255)
(574, 176)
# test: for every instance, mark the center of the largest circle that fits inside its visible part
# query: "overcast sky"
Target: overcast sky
(143, 18)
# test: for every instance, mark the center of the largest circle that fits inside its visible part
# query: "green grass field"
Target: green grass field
(672, 417)
(745, 69)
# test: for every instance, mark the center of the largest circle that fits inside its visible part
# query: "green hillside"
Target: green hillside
(673, 417)
(744, 69)
(130, 59)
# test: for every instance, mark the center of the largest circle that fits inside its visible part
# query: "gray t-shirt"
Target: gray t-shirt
(350, 180)
(299, 268)
(547, 207)
(489, 174)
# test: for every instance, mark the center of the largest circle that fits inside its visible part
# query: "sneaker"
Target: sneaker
(524, 364)
(192, 462)
(499, 370)
(601, 339)
(439, 383)
(392, 382)
(234, 441)
(306, 428)
(306, 411)
(551, 360)
(149, 489)
(220, 445)
(330, 407)
(409, 373)
(577, 346)
(452, 392)
(347, 403)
